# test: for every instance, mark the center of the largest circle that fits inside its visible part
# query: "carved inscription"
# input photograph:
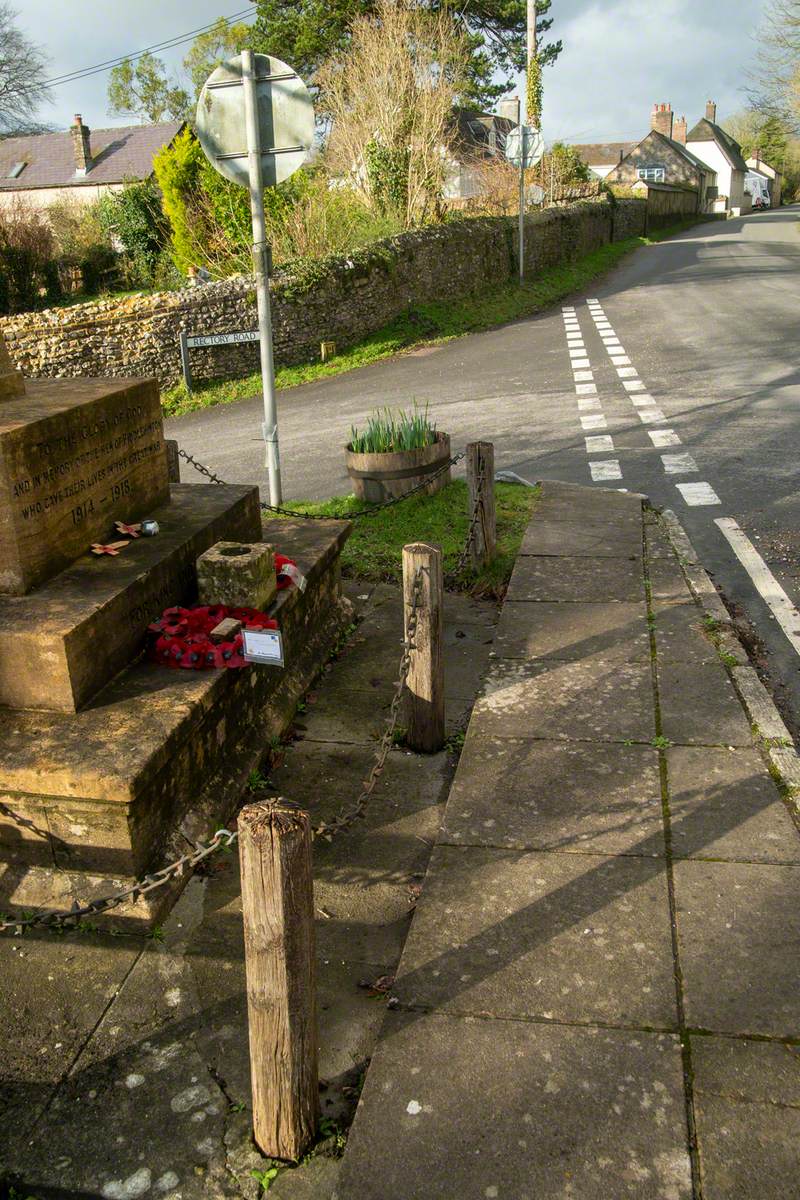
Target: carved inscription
(105, 463)
(88, 455)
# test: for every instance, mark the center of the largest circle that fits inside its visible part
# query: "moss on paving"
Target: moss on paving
(374, 550)
(425, 325)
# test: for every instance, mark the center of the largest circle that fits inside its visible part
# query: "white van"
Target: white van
(756, 185)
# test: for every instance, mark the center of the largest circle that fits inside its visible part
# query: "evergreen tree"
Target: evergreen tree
(305, 33)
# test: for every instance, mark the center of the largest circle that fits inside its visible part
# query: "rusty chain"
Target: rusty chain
(328, 829)
(476, 515)
(351, 516)
(58, 920)
(226, 837)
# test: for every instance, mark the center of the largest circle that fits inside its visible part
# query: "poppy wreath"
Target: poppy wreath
(181, 636)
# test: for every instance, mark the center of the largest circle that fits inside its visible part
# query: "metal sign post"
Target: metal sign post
(255, 123)
(261, 272)
(524, 148)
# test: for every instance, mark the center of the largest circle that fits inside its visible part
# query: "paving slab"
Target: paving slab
(724, 805)
(666, 579)
(598, 700)
(360, 716)
(681, 634)
(587, 579)
(582, 538)
(617, 631)
(372, 655)
(738, 931)
(545, 795)
(699, 705)
(542, 1112)
(393, 838)
(561, 937)
(56, 988)
(747, 1111)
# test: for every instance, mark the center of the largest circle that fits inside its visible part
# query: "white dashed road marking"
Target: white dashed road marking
(678, 464)
(698, 494)
(663, 437)
(580, 362)
(588, 403)
(602, 444)
(766, 584)
(582, 376)
(585, 389)
(627, 372)
(633, 385)
(651, 416)
(593, 421)
(607, 469)
(620, 360)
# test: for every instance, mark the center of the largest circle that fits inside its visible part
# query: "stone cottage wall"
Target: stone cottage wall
(343, 299)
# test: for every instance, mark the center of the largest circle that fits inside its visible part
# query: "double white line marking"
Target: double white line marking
(592, 417)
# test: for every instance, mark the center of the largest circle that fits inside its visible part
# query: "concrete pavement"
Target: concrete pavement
(599, 993)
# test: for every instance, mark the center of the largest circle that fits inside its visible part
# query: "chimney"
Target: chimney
(81, 147)
(757, 155)
(679, 130)
(711, 111)
(509, 109)
(661, 119)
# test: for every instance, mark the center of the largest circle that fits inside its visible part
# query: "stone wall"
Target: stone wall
(343, 299)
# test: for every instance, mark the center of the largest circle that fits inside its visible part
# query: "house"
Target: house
(79, 163)
(724, 155)
(663, 156)
(603, 157)
(475, 138)
(756, 163)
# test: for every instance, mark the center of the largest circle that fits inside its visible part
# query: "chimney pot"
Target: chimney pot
(711, 111)
(81, 145)
(661, 119)
(679, 130)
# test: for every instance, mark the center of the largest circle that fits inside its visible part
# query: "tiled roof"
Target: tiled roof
(480, 133)
(117, 155)
(685, 152)
(600, 154)
(707, 131)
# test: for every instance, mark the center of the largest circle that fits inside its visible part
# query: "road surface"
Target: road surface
(682, 381)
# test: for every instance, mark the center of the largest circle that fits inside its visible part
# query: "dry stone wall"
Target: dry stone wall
(343, 299)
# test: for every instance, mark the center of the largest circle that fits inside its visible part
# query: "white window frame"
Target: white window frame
(654, 174)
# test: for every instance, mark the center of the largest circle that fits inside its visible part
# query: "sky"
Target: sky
(620, 56)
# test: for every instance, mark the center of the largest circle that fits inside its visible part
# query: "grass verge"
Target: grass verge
(374, 549)
(426, 324)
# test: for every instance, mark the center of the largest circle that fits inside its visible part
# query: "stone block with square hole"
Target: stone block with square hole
(239, 574)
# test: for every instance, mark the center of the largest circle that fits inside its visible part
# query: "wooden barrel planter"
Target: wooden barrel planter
(379, 477)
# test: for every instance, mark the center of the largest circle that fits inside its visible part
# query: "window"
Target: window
(655, 174)
(16, 170)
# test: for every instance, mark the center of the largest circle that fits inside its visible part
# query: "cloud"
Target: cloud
(620, 58)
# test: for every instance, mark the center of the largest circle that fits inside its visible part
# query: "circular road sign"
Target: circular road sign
(534, 146)
(285, 120)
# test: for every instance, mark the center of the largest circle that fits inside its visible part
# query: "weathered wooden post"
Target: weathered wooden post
(425, 683)
(278, 912)
(480, 463)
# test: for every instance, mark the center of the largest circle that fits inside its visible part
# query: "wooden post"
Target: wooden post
(173, 461)
(480, 456)
(425, 684)
(278, 912)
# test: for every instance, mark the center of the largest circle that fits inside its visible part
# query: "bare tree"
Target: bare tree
(389, 99)
(775, 83)
(23, 86)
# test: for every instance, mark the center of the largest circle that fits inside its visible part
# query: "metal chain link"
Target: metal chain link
(226, 837)
(328, 829)
(477, 514)
(57, 920)
(351, 516)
